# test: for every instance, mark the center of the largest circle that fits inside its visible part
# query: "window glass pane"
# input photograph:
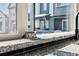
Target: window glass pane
(64, 25)
(7, 18)
(37, 24)
(42, 25)
(56, 20)
(47, 24)
(45, 6)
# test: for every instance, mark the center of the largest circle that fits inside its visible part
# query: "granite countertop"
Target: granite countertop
(7, 46)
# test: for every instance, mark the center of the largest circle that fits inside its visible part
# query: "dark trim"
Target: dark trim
(37, 28)
(76, 25)
(59, 17)
(16, 18)
(34, 14)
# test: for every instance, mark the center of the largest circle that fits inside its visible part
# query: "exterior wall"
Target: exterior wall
(62, 10)
(63, 13)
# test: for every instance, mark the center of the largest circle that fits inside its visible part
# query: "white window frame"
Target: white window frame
(22, 26)
(22, 15)
(66, 24)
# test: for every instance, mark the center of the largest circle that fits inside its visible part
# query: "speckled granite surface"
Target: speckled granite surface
(23, 43)
(51, 50)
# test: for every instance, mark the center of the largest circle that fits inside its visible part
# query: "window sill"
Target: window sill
(7, 46)
(57, 36)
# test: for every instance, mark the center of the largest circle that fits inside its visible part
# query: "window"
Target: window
(64, 25)
(57, 20)
(45, 6)
(57, 24)
(7, 18)
(28, 26)
(47, 24)
(12, 20)
(37, 24)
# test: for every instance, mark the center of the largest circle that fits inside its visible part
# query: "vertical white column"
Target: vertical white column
(22, 18)
(37, 8)
(71, 19)
(51, 22)
(51, 9)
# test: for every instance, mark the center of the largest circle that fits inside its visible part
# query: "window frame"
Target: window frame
(66, 23)
(22, 26)
(73, 5)
(21, 17)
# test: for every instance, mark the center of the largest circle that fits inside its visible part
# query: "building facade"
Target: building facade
(52, 17)
(42, 17)
(61, 14)
(4, 22)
